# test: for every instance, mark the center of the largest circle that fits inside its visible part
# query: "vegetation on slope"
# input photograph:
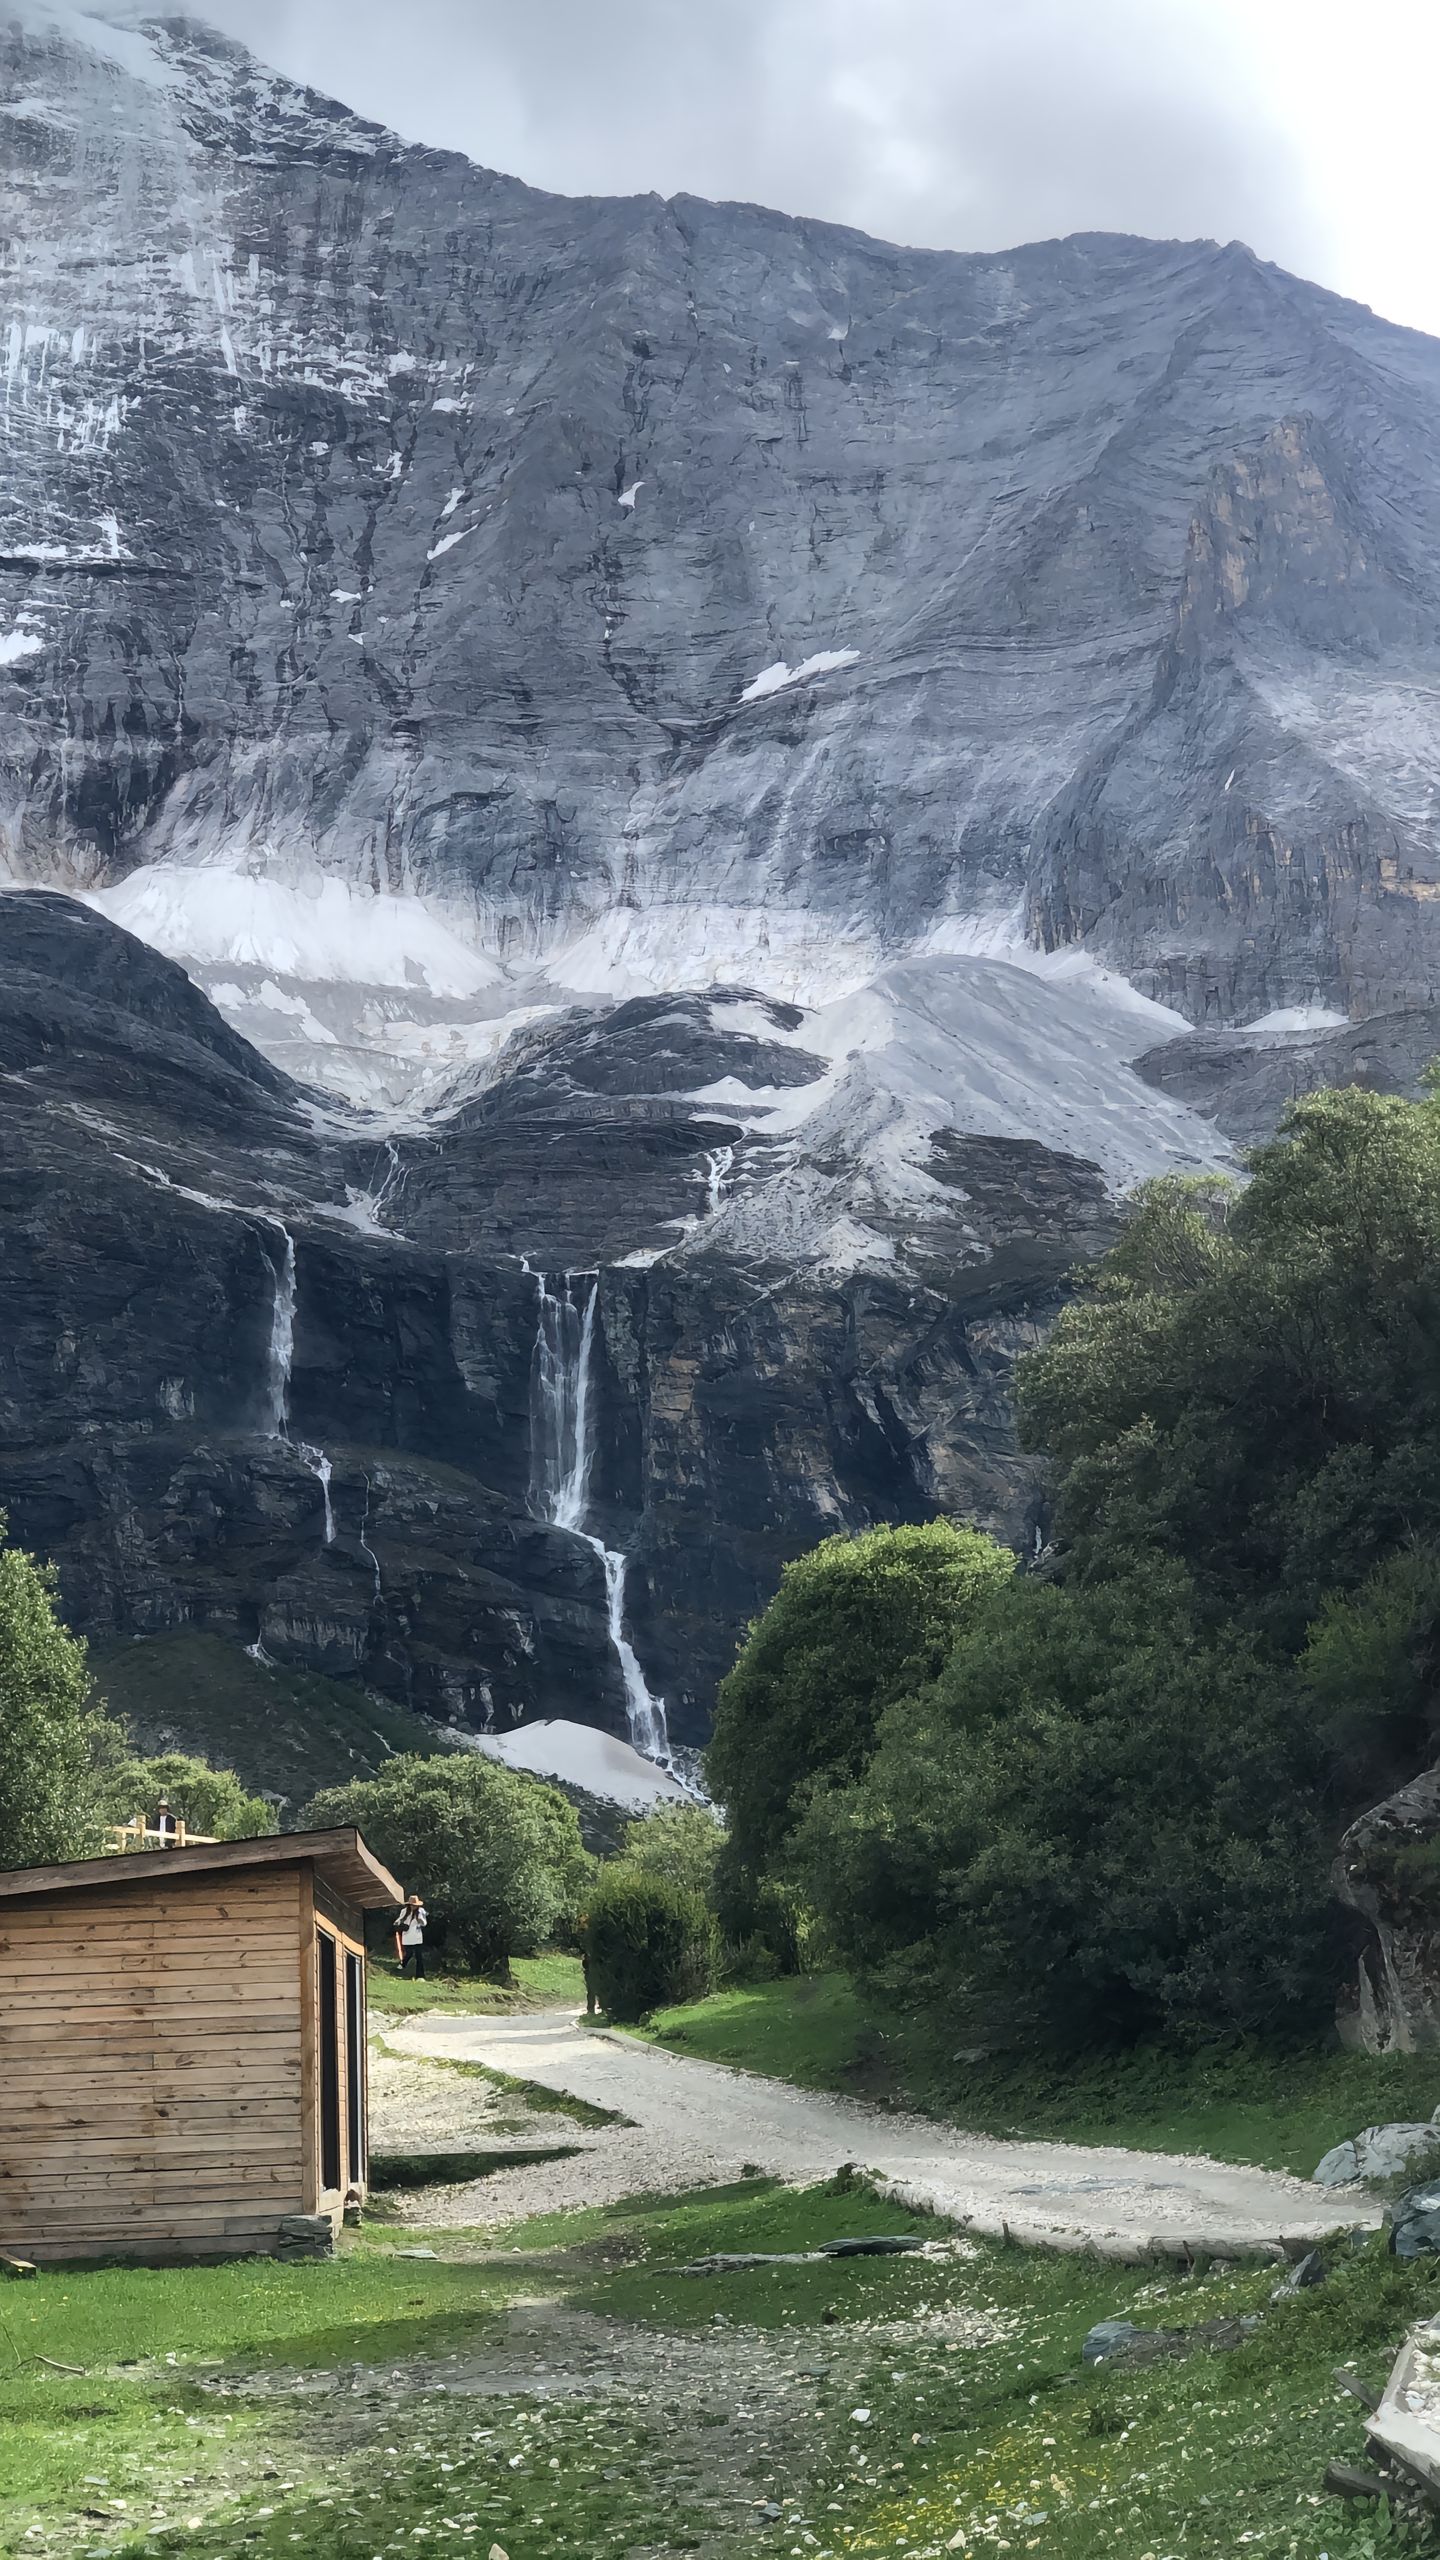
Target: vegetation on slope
(923, 2404)
(1103, 1807)
(287, 1733)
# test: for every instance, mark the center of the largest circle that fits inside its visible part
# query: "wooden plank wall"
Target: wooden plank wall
(151, 2096)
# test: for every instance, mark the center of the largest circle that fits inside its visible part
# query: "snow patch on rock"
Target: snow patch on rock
(317, 928)
(584, 1757)
(1299, 1017)
(780, 677)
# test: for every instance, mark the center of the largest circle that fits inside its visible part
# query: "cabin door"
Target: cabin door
(337, 2082)
(328, 2026)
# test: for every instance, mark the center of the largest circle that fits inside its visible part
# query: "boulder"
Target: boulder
(1307, 2271)
(1413, 2223)
(1110, 2339)
(1381, 2151)
(1120, 2342)
(306, 2235)
(1382, 1872)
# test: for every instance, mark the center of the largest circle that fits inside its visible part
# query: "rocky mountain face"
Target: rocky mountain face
(723, 791)
(270, 1377)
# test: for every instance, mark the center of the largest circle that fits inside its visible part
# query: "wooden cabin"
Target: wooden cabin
(182, 2046)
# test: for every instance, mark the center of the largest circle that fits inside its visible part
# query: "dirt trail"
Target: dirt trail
(693, 2123)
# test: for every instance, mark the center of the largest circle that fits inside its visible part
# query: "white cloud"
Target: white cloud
(941, 122)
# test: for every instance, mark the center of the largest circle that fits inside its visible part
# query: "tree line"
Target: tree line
(1100, 1800)
(1089, 1798)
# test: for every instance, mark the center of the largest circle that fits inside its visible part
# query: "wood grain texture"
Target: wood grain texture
(155, 2090)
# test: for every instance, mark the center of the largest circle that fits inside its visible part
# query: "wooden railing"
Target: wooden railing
(138, 1835)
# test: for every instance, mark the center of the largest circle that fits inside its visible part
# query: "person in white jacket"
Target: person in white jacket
(411, 1921)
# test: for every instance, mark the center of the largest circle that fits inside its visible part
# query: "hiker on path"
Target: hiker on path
(411, 1921)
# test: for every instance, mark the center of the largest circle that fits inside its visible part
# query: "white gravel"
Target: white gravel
(698, 2123)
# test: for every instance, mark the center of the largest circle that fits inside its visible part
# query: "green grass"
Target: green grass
(291, 1732)
(1278, 2110)
(812, 2030)
(978, 2428)
(134, 2413)
(541, 1982)
(1275, 2109)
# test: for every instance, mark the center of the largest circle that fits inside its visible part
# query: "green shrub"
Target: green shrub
(1104, 1821)
(209, 1801)
(495, 1855)
(649, 1944)
(681, 1841)
(853, 1625)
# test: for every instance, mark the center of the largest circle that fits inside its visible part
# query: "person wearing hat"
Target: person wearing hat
(410, 1925)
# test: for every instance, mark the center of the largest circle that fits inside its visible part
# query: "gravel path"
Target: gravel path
(696, 2123)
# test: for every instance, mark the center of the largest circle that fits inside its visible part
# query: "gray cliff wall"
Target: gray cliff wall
(315, 450)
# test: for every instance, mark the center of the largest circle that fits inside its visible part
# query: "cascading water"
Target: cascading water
(281, 1363)
(562, 1450)
(717, 1168)
(282, 1337)
(365, 1547)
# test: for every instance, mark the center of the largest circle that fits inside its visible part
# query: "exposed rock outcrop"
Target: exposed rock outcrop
(1387, 1872)
(423, 598)
(181, 1225)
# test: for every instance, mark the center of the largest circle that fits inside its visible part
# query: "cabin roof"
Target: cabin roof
(339, 1857)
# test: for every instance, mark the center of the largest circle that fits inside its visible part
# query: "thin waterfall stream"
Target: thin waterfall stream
(562, 1442)
(718, 1166)
(280, 1364)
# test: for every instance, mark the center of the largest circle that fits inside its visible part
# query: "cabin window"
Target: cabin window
(355, 2064)
(329, 2037)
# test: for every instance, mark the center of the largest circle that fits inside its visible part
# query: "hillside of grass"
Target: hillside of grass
(285, 1733)
(1272, 2108)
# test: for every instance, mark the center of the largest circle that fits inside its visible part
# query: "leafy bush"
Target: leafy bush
(54, 1739)
(210, 1801)
(681, 1841)
(649, 1942)
(496, 1855)
(853, 1625)
(1105, 1820)
(1252, 1382)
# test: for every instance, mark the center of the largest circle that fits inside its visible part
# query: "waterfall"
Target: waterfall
(562, 1447)
(282, 1337)
(319, 1466)
(365, 1547)
(644, 1712)
(560, 1442)
(717, 1167)
(281, 1362)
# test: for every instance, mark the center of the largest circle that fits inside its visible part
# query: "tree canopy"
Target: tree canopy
(679, 1841)
(1104, 1820)
(1252, 1382)
(854, 1624)
(53, 1737)
(1111, 1808)
(495, 1855)
(212, 1802)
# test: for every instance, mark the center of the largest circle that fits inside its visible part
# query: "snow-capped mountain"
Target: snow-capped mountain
(783, 771)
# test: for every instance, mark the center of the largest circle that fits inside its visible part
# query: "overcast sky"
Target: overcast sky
(962, 124)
